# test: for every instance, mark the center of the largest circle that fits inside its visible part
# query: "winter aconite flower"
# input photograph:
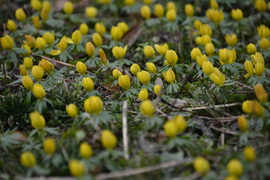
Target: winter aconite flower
(108, 139)
(119, 52)
(157, 90)
(215, 15)
(247, 106)
(180, 123)
(124, 81)
(90, 49)
(37, 120)
(11, 25)
(28, 62)
(72, 110)
(116, 33)
(170, 128)
(93, 105)
(100, 28)
(81, 68)
(201, 165)
(235, 167)
(76, 37)
(40, 43)
(189, 10)
(48, 37)
(88, 83)
(250, 154)
(103, 57)
(135, 68)
(261, 5)
(20, 14)
(36, 4)
(68, 7)
(116, 73)
(207, 67)
(129, 2)
(147, 108)
(151, 67)
(195, 52)
(143, 94)
(28, 159)
(169, 76)
(91, 12)
(162, 49)
(237, 14)
(62, 45)
(7, 42)
(171, 57)
(27, 82)
(85, 150)
(149, 51)
(23, 70)
(49, 146)
(123, 26)
(97, 39)
(84, 29)
(205, 29)
(46, 65)
(209, 49)
(242, 123)
(38, 72)
(217, 77)
(231, 39)
(144, 77)
(171, 15)
(201, 59)
(30, 40)
(261, 93)
(76, 168)
(145, 12)
(159, 10)
(36, 22)
(38, 91)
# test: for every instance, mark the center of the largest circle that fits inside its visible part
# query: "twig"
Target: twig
(161, 112)
(142, 170)
(223, 119)
(125, 130)
(214, 106)
(55, 61)
(246, 86)
(223, 130)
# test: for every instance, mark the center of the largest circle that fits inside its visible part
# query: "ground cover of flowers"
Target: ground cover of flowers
(135, 89)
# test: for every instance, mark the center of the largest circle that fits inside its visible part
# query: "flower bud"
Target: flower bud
(231, 39)
(124, 81)
(37, 120)
(93, 105)
(250, 154)
(147, 108)
(62, 45)
(90, 49)
(224, 56)
(260, 93)
(242, 123)
(143, 94)
(197, 24)
(144, 77)
(206, 39)
(214, 4)
(119, 52)
(171, 5)
(38, 91)
(91, 12)
(264, 43)
(263, 31)
(189, 10)
(76, 168)
(11, 25)
(207, 67)
(30, 40)
(36, 4)
(76, 37)
(84, 29)
(162, 49)
(27, 82)
(116, 73)
(129, 2)
(97, 39)
(46, 7)
(157, 90)
(47, 66)
(28, 159)
(116, 33)
(49, 146)
(180, 123)
(215, 15)
(201, 59)
(259, 69)
(23, 70)
(85, 150)
(251, 48)
(100, 28)
(170, 129)
(198, 40)
(201, 165)
(257, 58)
(38, 72)
(247, 106)
(48, 37)
(36, 22)
(147, 2)
(209, 49)
(20, 14)
(135, 68)
(7, 42)
(235, 167)
(68, 7)
(171, 57)
(145, 12)
(123, 26)
(159, 10)
(205, 29)
(237, 14)
(171, 15)
(27, 49)
(257, 109)
(249, 68)
(195, 52)
(261, 5)
(149, 51)
(108, 139)
(169, 76)
(217, 77)
(72, 110)
(103, 57)
(88, 84)
(151, 67)
(81, 68)
(40, 43)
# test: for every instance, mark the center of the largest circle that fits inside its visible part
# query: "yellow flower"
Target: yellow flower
(217, 77)
(11, 25)
(143, 94)
(162, 49)
(235, 167)
(205, 29)
(264, 43)
(38, 72)
(36, 4)
(38, 91)
(249, 68)
(144, 77)
(157, 90)
(169, 76)
(251, 48)
(195, 52)
(180, 123)
(7, 42)
(189, 10)
(72, 110)
(116, 33)
(205, 39)
(27, 48)
(201, 59)
(124, 81)
(209, 49)
(242, 123)
(85, 150)
(159, 10)
(129, 2)
(81, 68)
(147, 108)
(247, 106)
(197, 24)
(257, 109)
(260, 93)
(135, 68)
(103, 57)
(119, 52)
(49, 146)
(116, 73)
(201, 165)
(250, 154)
(48, 37)
(171, 15)
(147, 2)
(68, 7)
(28, 159)
(237, 14)
(224, 56)
(214, 4)
(171, 5)
(257, 58)
(27, 82)
(263, 31)
(215, 15)
(100, 28)
(149, 51)
(231, 177)
(23, 70)
(145, 12)
(170, 129)
(97, 39)
(108, 139)
(62, 45)
(207, 67)
(198, 40)
(259, 69)
(46, 7)
(30, 40)
(37, 120)
(171, 57)
(76, 37)
(151, 67)
(88, 84)
(36, 22)
(231, 39)
(91, 12)
(90, 49)
(40, 43)
(47, 66)
(84, 28)
(76, 168)
(123, 26)
(93, 105)
(20, 14)
(261, 5)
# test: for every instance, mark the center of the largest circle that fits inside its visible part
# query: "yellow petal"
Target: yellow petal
(55, 52)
